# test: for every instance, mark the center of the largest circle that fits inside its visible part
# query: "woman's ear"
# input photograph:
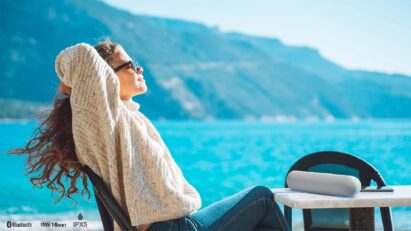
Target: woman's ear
(63, 88)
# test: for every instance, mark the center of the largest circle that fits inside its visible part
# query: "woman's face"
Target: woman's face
(132, 82)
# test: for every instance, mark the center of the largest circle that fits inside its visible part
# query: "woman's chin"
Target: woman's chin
(141, 91)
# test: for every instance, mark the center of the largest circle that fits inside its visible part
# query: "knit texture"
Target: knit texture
(120, 144)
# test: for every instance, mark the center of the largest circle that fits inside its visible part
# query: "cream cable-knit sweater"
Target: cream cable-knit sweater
(120, 144)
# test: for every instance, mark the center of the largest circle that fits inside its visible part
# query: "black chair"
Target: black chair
(337, 163)
(107, 205)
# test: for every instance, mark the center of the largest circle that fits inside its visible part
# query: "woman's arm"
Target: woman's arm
(154, 185)
(93, 83)
(94, 100)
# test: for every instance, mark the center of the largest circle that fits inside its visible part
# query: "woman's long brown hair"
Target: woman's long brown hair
(51, 152)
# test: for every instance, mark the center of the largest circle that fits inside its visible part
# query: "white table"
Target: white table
(400, 197)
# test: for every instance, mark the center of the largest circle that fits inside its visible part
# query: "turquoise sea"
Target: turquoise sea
(220, 158)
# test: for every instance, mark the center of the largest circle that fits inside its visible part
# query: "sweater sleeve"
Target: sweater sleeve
(94, 84)
(154, 187)
(188, 188)
(174, 168)
(94, 103)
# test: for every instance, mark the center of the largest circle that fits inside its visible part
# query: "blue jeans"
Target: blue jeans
(252, 209)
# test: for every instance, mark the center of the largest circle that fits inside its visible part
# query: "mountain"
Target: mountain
(192, 71)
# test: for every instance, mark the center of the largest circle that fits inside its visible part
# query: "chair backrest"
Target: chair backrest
(337, 163)
(107, 205)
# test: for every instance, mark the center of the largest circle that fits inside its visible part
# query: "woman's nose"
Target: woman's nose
(140, 70)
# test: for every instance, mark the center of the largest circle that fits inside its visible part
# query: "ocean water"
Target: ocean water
(219, 158)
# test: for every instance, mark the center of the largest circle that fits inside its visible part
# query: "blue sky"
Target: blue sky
(370, 35)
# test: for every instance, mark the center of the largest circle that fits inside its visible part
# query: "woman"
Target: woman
(98, 124)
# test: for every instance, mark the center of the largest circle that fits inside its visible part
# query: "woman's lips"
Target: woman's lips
(140, 78)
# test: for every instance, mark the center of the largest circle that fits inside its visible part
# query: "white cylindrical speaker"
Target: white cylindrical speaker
(323, 183)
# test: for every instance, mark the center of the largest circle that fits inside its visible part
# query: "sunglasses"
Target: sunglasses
(129, 64)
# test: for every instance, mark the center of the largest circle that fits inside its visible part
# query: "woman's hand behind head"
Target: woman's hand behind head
(63, 88)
